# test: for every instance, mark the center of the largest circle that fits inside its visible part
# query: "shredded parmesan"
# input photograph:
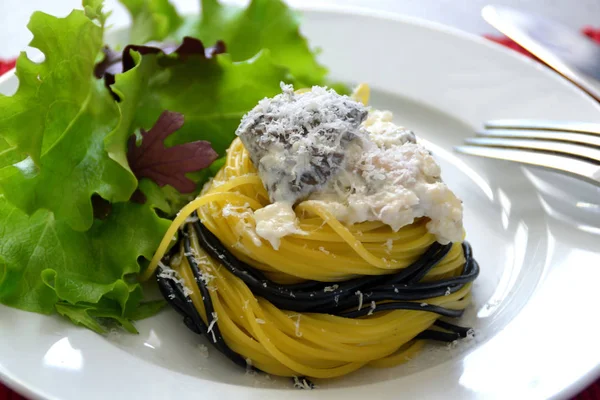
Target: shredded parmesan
(297, 324)
(391, 178)
(297, 141)
(323, 147)
(323, 250)
(373, 307)
(303, 384)
(360, 299)
(169, 273)
(389, 244)
(331, 288)
(215, 318)
(191, 219)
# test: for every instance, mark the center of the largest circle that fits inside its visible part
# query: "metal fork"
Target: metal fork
(572, 148)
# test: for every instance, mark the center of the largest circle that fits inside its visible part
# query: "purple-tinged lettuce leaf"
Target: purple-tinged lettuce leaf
(168, 165)
(212, 94)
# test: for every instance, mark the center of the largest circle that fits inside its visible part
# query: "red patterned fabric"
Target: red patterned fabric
(591, 393)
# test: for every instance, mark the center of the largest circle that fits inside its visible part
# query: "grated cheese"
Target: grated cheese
(303, 384)
(330, 288)
(324, 250)
(297, 324)
(360, 299)
(389, 244)
(191, 219)
(373, 307)
(322, 147)
(210, 330)
(169, 273)
(297, 141)
(391, 178)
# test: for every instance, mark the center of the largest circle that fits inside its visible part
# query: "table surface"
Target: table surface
(463, 14)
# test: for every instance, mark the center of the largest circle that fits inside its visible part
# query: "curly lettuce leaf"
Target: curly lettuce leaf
(264, 24)
(71, 239)
(94, 10)
(94, 316)
(212, 94)
(51, 94)
(45, 262)
(151, 19)
(60, 116)
(211, 91)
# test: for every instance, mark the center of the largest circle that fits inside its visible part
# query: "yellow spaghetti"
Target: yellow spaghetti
(325, 342)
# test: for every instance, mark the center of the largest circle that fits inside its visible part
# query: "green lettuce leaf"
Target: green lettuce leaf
(63, 146)
(95, 317)
(98, 317)
(61, 116)
(51, 94)
(212, 94)
(45, 262)
(94, 9)
(264, 24)
(151, 20)
(9, 154)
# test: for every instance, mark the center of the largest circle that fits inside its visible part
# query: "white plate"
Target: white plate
(534, 303)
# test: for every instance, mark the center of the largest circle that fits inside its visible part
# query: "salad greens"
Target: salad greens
(151, 19)
(168, 165)
(86, 192)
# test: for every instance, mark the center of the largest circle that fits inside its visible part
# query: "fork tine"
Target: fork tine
(567, 137)
(547, 125)
(585, 170)
(566, 149)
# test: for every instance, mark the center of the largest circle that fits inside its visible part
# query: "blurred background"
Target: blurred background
(462, 14)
